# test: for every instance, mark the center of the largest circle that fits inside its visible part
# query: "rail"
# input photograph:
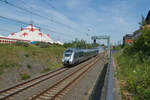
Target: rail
(14, 90)
(57, 90)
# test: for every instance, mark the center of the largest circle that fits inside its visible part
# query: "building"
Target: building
(138, 32)
(128, 39)
(6, 40)
(28, 34)
(148, 18)
(32, 34)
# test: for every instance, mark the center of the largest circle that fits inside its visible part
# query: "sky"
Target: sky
(66, 20)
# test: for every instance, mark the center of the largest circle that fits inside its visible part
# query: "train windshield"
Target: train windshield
(68, 53)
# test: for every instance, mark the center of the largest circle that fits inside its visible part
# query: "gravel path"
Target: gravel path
(83, 88)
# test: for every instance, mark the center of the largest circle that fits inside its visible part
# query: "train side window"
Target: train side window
(80, 54)
(76, 55)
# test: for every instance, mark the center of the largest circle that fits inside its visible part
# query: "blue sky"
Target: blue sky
(72, 19)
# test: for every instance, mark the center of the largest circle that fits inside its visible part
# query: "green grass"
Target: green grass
(1, 71)
(46, 70)
(134, 76)
(12, 56)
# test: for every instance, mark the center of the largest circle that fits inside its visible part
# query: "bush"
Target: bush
(25, 76)
(79, 44)
(142, 43)
(135, 66)
(24, 44)
(29, 66)
(42, 44)
(136, 73)
(7, 64)
(118, 47)
(140, 46)
(26, 55)
(4, 65)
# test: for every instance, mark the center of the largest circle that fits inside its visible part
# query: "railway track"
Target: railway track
(59, 89)
(12, 91)
(4, 94)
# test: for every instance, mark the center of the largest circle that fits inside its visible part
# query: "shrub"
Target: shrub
(7, 64)
(25, 76)
(4, 65)
(135, 73)
(26, 55)
(42, 44)
(29, 66)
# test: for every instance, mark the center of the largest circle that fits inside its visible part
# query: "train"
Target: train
(73, 56)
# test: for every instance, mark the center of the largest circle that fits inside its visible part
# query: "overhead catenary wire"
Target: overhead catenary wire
(5, 30)
(5, 1)
(48, 2)
(36, 14)
(15, 20)
(55, 21)
(22, 22)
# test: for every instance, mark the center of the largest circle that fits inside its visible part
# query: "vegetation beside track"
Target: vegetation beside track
(79, 44)
(24, 55)
(20, 61)
(133, 68)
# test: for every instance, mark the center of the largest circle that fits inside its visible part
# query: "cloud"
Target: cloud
(77, 4)
(75, 17)
(59, 22)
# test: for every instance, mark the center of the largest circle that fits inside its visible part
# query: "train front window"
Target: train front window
(68, 51)
(67, 55)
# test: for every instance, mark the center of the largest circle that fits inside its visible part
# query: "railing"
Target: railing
(110, 85)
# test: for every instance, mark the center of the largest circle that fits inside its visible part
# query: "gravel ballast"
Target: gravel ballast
(43, 85)
(83, 88)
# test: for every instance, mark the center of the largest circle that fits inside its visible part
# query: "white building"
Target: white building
(31, 33)
(28, 34)
(6, 40)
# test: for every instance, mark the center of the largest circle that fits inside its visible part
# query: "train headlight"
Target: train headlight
(70, 60)
(63, 60)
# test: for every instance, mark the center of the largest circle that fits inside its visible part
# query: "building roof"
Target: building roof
(31, 33)
(148, 18)
(128, 35)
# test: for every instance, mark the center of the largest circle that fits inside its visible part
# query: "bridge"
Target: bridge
(102, 37)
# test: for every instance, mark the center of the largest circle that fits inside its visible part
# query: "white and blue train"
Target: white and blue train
(74, 56)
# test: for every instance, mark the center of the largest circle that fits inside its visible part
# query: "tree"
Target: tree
(79, 44)
(143, 22)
